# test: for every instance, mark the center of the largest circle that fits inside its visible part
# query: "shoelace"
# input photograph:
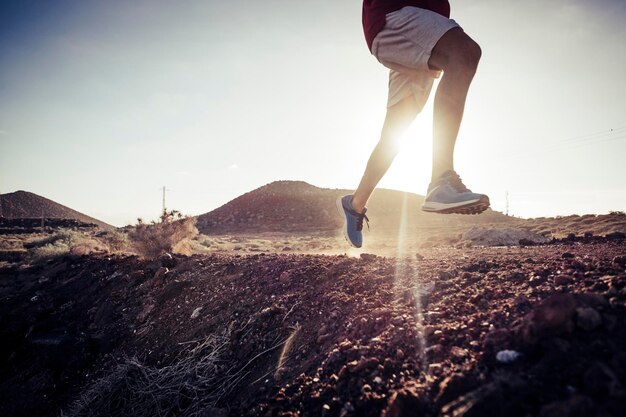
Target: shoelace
(455, 181)
(359, 222)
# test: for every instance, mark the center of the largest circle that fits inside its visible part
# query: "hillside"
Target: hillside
(296, 206)
(23, 204)
(519, 332)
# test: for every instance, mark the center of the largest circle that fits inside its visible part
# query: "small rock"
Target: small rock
(588, 318)
(403, 403)
(368, 257)
(508, 356)
(346, 409)
(536, 281)
(159, 275)
(285, 277)
(397, 321)
(196, 313)
(452, 386)
(167, 260)
(419, 256)
(567, 255)
(366, 363)
(599, 380)
(444, 275)
(551, 316)
(563, 280)
(434, 351)
(323, 339)
(620, 260)
(322, 330)
(458, 352)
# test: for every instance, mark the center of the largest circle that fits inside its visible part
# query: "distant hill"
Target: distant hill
(296, 206)
(23, 204)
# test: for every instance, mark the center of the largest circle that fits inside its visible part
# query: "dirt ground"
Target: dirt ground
(506, 331)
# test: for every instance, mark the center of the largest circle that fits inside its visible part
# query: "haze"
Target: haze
(103, 103)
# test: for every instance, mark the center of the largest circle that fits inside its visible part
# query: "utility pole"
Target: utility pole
(507, 203)
(1, 216)
(164, 190)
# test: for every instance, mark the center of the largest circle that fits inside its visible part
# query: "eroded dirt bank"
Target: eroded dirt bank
(308, 335)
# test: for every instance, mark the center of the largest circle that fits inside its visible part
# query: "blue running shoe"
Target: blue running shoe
(449, 195)
(353, 225)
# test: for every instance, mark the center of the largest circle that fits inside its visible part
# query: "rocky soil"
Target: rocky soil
(524, 331)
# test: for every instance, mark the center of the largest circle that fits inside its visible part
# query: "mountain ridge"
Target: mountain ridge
(297, 206)
(25, 204)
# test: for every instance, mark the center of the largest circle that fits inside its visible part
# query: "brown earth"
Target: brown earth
(312, 335)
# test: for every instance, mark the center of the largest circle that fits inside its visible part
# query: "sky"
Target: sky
(104, 103)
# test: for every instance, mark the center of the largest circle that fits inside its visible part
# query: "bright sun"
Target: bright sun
(411, 169)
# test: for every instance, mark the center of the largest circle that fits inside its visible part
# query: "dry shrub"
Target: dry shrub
(116, 240)
(87, 246)
(150, 240)
(190, 386)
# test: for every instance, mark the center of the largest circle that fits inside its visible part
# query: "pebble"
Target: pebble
(285, 277)
(196, 313)
(508, 356)
(563, 280)
(620, 260)
(458, 352)
(588, 318)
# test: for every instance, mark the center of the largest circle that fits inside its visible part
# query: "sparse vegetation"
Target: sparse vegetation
(116, 241)
(64, 242)
(172, 234)
(187, 387)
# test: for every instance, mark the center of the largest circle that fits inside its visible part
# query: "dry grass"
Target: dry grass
(189, 387)
(116, 241)
(62, 243)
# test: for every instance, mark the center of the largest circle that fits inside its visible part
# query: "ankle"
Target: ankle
(357, 204)
(437, 173)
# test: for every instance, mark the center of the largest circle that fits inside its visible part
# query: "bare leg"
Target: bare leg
(457, 55)
(397, 120)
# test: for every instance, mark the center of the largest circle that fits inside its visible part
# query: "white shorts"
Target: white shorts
(404, 46)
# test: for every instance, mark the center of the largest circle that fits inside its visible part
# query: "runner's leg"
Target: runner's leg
(397, 120)
(457, 55)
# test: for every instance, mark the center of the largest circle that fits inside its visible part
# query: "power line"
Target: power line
(573, 143)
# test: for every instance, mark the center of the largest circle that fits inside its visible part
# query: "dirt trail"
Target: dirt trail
(288, 335)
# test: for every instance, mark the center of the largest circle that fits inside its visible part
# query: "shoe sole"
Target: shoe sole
(470, 207)
(342, 213)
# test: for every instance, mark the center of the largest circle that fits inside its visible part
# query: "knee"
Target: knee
(474, 53)
(466, 57)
